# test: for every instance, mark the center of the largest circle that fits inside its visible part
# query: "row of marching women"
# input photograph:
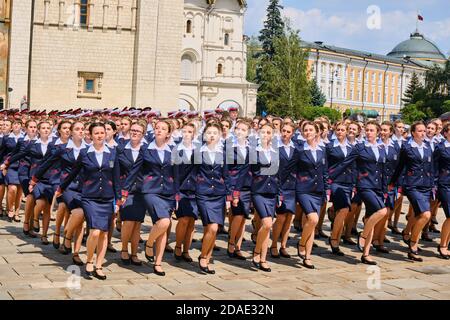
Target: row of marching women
(112, 168)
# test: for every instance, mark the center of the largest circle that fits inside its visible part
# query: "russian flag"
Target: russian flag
(419, 17)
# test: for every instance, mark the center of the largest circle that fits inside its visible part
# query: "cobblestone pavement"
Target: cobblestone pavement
(29, 270)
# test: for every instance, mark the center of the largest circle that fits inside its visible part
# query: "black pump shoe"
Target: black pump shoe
(336, 250)
(125, 261)
(205, 269)
(264, 268)
(149, 258)
(177, 257)
(369, 262)
(66, 250)
(158, 273)
(98, 276)
(443, 256)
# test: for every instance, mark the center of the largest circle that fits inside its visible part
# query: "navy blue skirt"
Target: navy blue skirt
(72, 199)
(243, 207)
(357, 199)
(310, 202)
(43, 191)
(265, 204)
(159, 206)
(211, 209)
(341, 196)
(12, 177)
(98, 213)
(25, 183)
(289, 203)
(187, 206)
(2, 178)
(373, 200)
(419, 199)
(390, 200)
(134, 208)
(444, 197)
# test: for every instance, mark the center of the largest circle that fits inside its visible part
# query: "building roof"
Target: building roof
(362, 54)
(242, 3)
(417, 46)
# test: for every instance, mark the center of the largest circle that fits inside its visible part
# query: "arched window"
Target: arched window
(227, 39)
(187, 67)
(220, 68)
(189, 26)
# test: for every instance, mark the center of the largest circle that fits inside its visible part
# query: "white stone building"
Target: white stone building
(214, 57)
(116, 53)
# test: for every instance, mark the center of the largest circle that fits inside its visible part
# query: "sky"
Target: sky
(376, 26)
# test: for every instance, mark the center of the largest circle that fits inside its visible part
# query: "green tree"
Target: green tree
(253, 58)
(284, 87)
(318, 99)
(412, 113)
(412, 89)
(273, 28)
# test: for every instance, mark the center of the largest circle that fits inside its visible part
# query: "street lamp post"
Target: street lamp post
(333, 75)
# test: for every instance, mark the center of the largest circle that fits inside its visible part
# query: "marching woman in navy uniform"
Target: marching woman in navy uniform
(240, 182)
(64, 156)
(311, 186)
(14, 193)
(100, 179)
(43, 190)
(52, 173)
(24, 173)
(442, 172)
(154, 163)
(371, 187)
(132, 212)
(5, 127)
(392, 150)
(416, 157)
(342, 186)
(351, 221)
(187, 210)
(211, 190)
(265, 192)
(287, 178)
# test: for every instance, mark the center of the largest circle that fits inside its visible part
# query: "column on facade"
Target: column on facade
(77, 6)
(327, 80)
(91, 16)
(61, 14)
(46, 8)
(119, 10)
(133, 15)
(105, 15)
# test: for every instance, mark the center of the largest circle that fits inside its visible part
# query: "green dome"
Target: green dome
(417, 47)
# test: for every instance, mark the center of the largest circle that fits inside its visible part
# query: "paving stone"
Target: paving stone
(235, 285)
(39, 294)
(282, 294)
(438, 295)
(242, 295)
(371, 296)
(128, 292)
(4, 295)
(410, 284)
(89, 293)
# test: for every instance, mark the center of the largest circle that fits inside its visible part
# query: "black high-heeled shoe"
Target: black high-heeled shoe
(205, 269)
(349, 241)
(443, 256)
(177, 257)
(26, 232)
(149, 258)
(44, 240)
(98, 276)
(76, 261)
(185, 256)
(125, 261)
(66, 250)
(275, 256)
(158, 273)
(261, 267)
(134, 262)
(256, 264)
(307, 265)
(229, 253)
(284, 254)
(55, 245)
(380, 248)
(36, 229)
(301, 256)
(236, 255)
(366, 261)
(89, 274)
(335, 250)
(414, 254)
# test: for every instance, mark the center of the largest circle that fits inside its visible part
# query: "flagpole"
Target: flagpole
(417, 22)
